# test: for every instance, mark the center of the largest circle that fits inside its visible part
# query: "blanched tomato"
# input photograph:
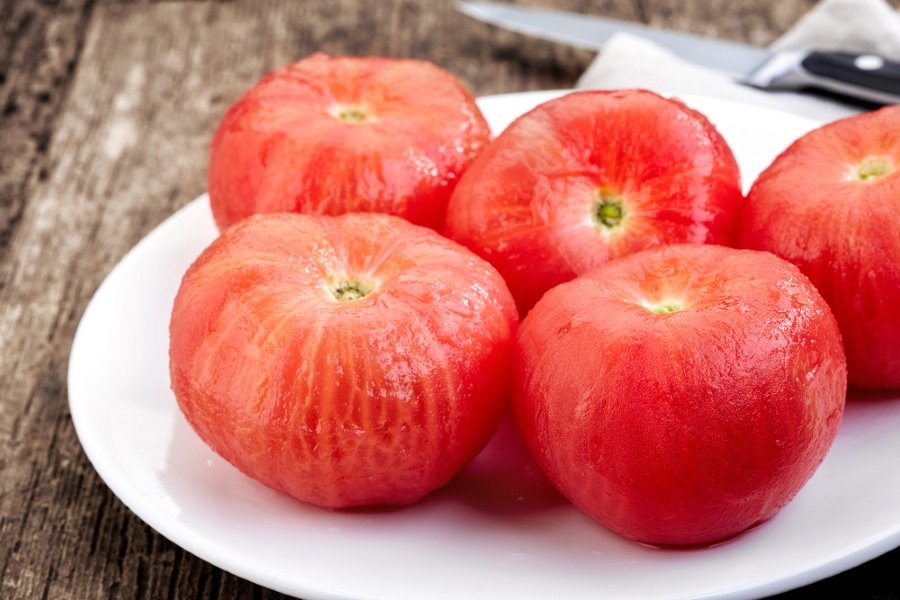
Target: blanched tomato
(830, 204)
(682, 394)
(347, 361)
(331, 135)
(592, 176)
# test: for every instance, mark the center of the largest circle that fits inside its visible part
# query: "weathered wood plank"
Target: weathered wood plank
(39, 45)
(128, 150)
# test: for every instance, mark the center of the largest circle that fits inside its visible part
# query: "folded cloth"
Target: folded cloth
(629, 61)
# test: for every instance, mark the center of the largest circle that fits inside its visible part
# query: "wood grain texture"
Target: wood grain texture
(39, 45)
(107, 109)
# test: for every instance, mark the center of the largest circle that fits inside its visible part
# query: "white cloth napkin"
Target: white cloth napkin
(853, 25)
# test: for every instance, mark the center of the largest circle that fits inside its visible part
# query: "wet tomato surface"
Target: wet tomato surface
(831, 205)
(348, 361)
(681, 394)
(330, 135)
(592, 176)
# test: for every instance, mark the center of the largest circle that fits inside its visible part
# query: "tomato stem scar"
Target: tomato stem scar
(664, 307)
(873, 167)
(346, 290)
(608, 210)
(350, 113)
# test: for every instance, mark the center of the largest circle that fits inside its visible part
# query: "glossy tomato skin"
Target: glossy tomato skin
(684, 427)
(812, 207)
(527, 203)
(376, 400)
(408, 132)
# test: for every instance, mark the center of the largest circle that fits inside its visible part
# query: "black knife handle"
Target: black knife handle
(843, 72)
(866, 79)
(868, 70)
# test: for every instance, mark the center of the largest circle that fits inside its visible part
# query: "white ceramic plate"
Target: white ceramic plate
(497, 531)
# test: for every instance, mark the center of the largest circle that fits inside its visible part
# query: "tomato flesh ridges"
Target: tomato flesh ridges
(682, 394)
(331, 135)
(831, 205)
(592, 176)
(373, 396)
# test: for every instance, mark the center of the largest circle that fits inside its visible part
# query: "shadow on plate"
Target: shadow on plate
(503, 479)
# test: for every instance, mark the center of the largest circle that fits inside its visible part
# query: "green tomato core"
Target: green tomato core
(608, 210)
(352, 114)
(662, 308)
(346, 291)
(873, 168)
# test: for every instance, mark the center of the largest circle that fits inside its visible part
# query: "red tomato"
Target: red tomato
(591, 176)
(348, 361)
(682, 394)
(330, 135)
(830, 204)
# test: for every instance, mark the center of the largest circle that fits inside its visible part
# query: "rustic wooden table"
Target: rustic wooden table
(107, 108)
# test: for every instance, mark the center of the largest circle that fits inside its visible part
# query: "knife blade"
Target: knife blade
(857, 76)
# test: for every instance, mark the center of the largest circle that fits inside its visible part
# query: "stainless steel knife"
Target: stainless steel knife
(867, 77)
